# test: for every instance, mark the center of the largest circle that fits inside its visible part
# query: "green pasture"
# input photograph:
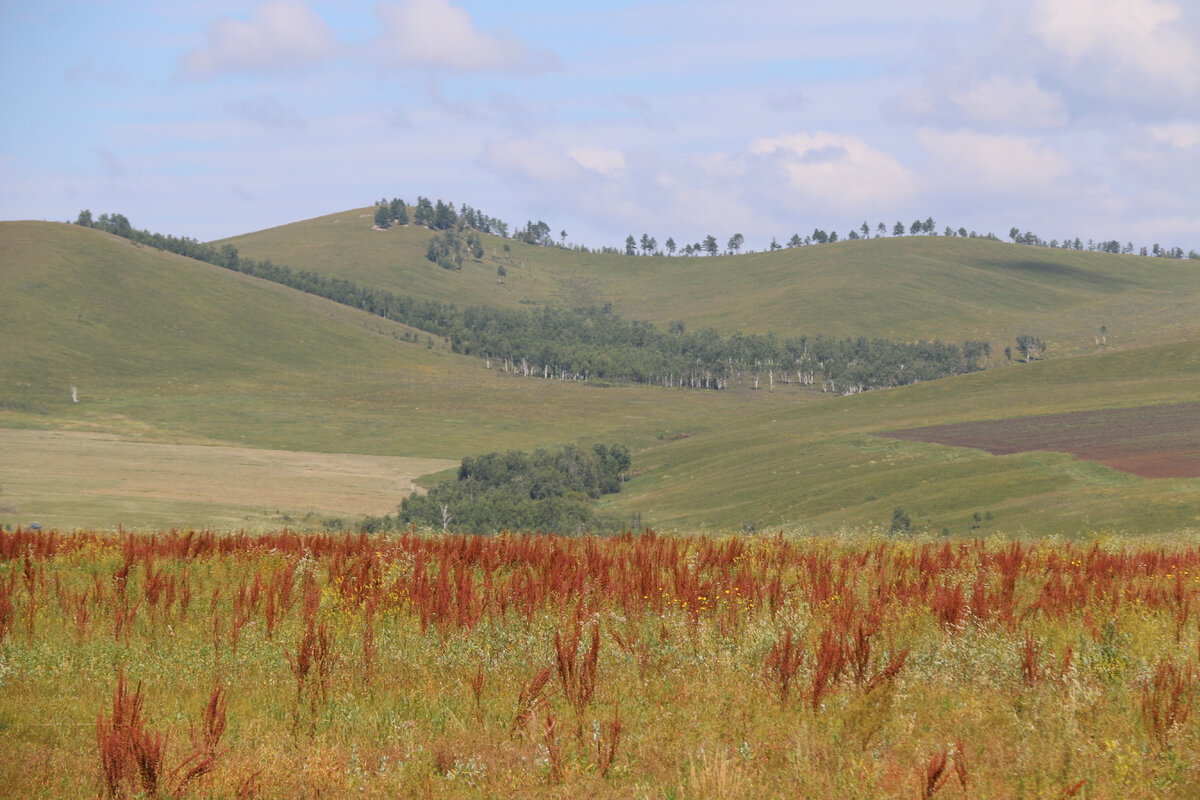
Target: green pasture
(818, 466)
(165, 349)
(907, 288)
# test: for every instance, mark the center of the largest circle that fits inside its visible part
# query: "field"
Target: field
(74, 475)
(1150, 441)
(859, 665)
(823, 465)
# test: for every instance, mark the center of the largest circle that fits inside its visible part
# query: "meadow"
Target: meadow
(169, 351)
(73, 475)
(905, 288)
(193, 664)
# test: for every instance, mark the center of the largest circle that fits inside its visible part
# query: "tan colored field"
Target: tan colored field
(170, 483)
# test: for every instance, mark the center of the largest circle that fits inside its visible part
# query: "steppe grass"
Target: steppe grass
(169, 349)
(920, 287)
(856, 665)
(819, 464)
(71, 478)
(164, 349)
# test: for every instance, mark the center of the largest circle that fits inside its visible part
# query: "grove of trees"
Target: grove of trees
(542, 491)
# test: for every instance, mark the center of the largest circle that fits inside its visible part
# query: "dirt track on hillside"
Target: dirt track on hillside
(1150, 441)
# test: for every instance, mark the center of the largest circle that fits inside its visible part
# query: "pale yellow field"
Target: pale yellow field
(90, 479)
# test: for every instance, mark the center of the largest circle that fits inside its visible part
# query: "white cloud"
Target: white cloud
(1001, 99)
(1183, 135)
(1165, 159)
(981, 162)
(434, 33)
(599, 159)
(283, 34)
(1132, 38)
(836, 170)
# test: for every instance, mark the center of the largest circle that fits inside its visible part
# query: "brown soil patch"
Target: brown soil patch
(1150, 441)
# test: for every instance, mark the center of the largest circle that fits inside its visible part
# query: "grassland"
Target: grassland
(827, 657)
(72, 476)
(822, 465)
(904, 288)
(164, 348)
(282, 666)
(169, 351)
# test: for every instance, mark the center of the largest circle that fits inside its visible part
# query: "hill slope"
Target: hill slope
(184, 350)
(904, 288)
(825, 465)
(166, 349)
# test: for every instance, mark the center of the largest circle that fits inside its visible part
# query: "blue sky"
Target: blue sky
(208, 119)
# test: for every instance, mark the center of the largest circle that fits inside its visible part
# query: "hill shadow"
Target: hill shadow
(1036, 267)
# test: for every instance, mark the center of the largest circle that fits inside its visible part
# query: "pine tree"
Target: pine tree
(399, 211)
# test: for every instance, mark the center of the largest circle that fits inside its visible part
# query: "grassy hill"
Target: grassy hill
(905, 288)
(166, 347)
(819, 466)
(167, 350)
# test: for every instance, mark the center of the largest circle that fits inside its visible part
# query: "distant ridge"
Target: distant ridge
(907, 288)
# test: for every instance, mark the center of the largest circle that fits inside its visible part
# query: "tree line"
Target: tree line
(442, 216)
(594, 344)
(1113, 246)
(648, 245)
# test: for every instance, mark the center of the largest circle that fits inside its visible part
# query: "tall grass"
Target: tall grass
(638, 666)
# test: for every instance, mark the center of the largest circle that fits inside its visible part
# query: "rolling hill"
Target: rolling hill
(171, 351)
(924, 287)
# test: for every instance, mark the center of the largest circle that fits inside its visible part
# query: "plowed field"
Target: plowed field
(1150, 441)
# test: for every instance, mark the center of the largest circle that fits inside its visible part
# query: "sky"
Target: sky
(1065, 118)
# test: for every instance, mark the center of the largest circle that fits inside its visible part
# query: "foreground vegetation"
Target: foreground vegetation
(285, 665)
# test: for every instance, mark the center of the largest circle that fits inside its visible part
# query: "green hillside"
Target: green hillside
(903, 288)
(819, 466)
(166, 349)
(170, 348)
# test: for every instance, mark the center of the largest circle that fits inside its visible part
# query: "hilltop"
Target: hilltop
(906, 288)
